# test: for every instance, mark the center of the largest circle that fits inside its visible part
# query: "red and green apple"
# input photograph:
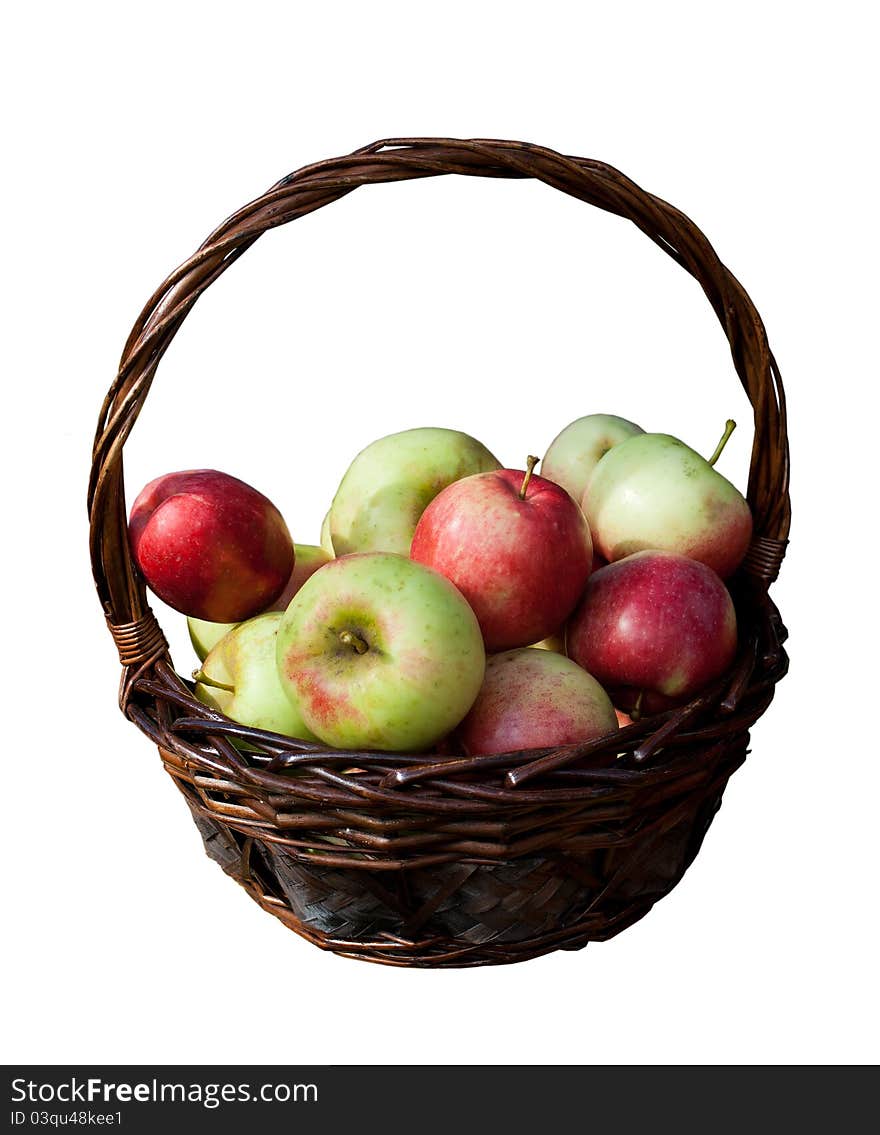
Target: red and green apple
(379, 652)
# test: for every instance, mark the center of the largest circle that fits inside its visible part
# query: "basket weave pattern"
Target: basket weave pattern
(439, 860)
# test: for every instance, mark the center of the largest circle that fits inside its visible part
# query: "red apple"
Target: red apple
(535, 698)
(516, 546)
(209, 545)
(653, 628)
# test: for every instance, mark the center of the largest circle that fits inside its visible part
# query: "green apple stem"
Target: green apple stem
(725, 437)
(201, 677)
(531, 462)
(354, 640)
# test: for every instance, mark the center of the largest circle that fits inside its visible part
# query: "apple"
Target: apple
(307, 560)
(575, 452)
(535, 698)
(205, 635)
(326, 538)
(379, 652)
(653, 491)
(654, 629)
(209, 545)
(516, 546)
(389, 484)
(240, 678)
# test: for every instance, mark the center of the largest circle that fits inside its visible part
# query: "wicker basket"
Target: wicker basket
(438, 860)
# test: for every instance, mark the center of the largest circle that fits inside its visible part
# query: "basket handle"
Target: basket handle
(119, 586)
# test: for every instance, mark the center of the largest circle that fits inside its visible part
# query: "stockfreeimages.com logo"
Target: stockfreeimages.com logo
(97, 1091)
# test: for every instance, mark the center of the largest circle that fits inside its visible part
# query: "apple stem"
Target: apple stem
(202, 677)
(636, 711)
(354, 640)
(531, 462)
(725, 437)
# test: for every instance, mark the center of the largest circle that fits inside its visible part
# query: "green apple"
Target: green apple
(326, 538)
(205, 635)
(379, 652)
(308, 558)
(653, 491)
(240, 678)
(575, 453)
(390, 484)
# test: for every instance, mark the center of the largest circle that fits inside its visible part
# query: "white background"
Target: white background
(500, 308)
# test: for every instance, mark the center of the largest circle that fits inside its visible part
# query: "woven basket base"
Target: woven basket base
(460, 914)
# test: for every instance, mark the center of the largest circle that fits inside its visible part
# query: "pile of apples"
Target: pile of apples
(414, 624)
